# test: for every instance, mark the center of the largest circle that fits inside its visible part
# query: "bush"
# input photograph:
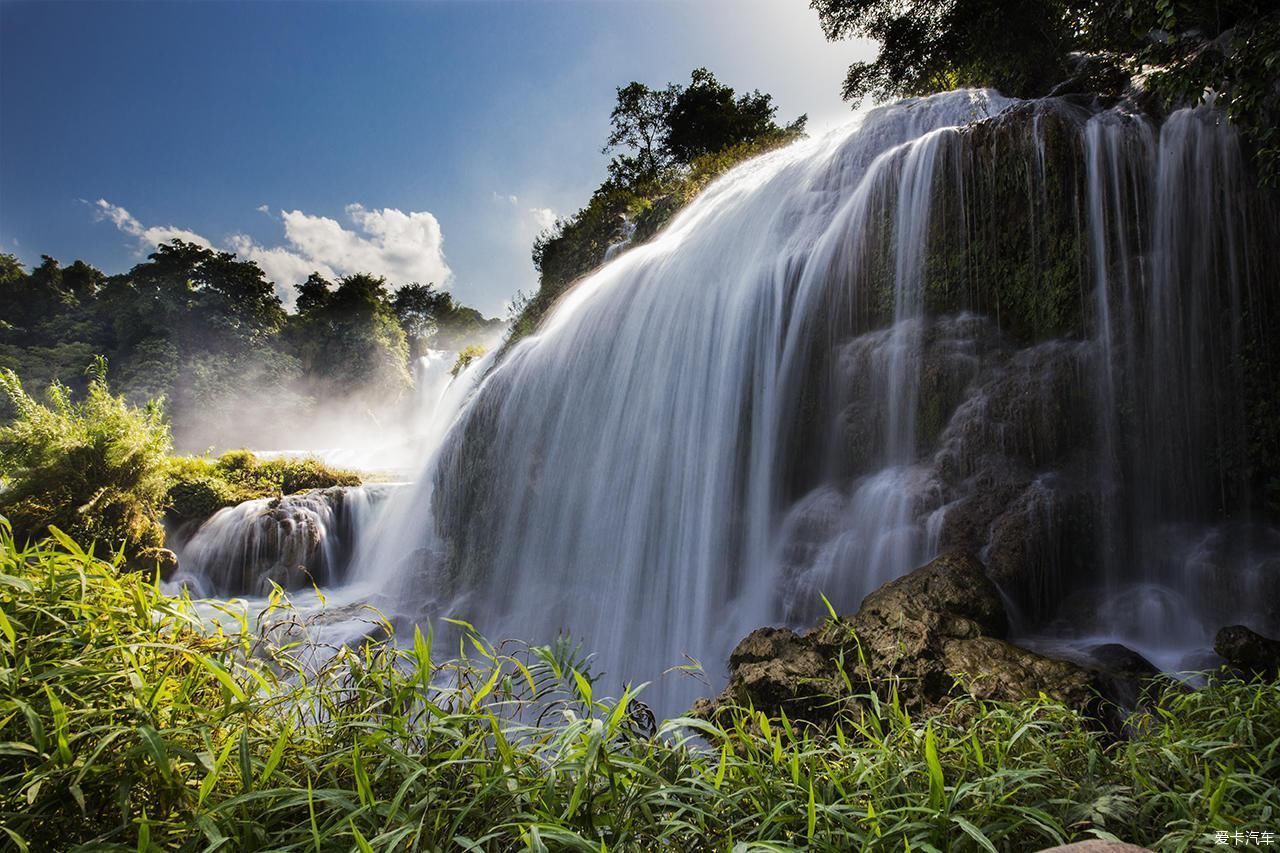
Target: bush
(125, 725)
(92, 467)
(465, 357)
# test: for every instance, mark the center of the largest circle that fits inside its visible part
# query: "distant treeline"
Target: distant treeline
(208, 333)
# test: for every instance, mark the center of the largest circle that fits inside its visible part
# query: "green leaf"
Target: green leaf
(7, 628)
(974, 833)
(937, 782)
(813, 813)
(156, 748)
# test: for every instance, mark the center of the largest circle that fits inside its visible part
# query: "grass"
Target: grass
(126, 723)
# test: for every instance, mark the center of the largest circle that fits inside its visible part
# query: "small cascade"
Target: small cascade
(614, 249)
(294, 542)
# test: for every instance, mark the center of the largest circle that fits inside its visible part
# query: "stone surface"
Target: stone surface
(1120, 673)
(1247, 651)
(987, 668)
(932, 635)
(161, 560)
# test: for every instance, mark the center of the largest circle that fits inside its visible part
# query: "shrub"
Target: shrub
(93, 467)
(465, 357)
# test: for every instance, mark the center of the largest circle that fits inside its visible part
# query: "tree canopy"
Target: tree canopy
(1187, 50)
(667, 143)
(207, 331)
(656, 130)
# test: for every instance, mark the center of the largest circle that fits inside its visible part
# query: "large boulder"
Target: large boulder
(932, 635)
(1248, 652)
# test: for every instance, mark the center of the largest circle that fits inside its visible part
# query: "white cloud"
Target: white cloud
(543, 217)
(148, 238)
(263, 208)
(404, 247)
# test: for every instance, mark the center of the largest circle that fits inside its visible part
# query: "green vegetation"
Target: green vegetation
(209, 333)
(126, 725)
(199, 486)
(670, 143)
(468, 355)
(93, 467)
(1187, 50)
(99, 468)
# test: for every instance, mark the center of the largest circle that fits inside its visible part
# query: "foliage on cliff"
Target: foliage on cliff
(126, 725)
(199, 486)
(668, 144)
(1187, 50)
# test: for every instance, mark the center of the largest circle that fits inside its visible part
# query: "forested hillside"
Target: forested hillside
(207, 332)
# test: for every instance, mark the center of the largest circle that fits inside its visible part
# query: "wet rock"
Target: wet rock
(931, 636)
(1248, 652)
(987, 668)
(1040, 542)
(774, 669)
(1120, 673)
(966, 524)
(160, 560)
(952, 591)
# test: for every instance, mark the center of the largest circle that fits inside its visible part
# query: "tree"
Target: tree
(638, 122)
(926, 46)
(669, 128)
(706, 117)
(418, 307)
(313, 294)
(349, 337)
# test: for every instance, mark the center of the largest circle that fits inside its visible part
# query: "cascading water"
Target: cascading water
(782, 395)
(293, 542)
(1013, 328)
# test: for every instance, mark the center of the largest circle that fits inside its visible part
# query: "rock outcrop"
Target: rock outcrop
(1248, 652)
(932, 635)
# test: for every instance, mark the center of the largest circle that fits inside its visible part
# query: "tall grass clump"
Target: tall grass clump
(128, 722)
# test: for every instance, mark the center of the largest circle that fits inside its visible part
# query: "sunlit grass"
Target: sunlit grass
(126, 723)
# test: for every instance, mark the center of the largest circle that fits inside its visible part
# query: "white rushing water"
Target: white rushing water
(763, 404)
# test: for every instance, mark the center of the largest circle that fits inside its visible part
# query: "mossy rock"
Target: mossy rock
(200, 498)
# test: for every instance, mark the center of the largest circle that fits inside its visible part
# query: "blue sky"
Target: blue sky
(417, 140)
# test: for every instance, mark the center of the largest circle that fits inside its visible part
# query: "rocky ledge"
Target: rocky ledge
(931, 636)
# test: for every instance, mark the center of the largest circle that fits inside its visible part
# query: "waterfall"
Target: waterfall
(847, 355)
(619, 474)
(963, 322)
